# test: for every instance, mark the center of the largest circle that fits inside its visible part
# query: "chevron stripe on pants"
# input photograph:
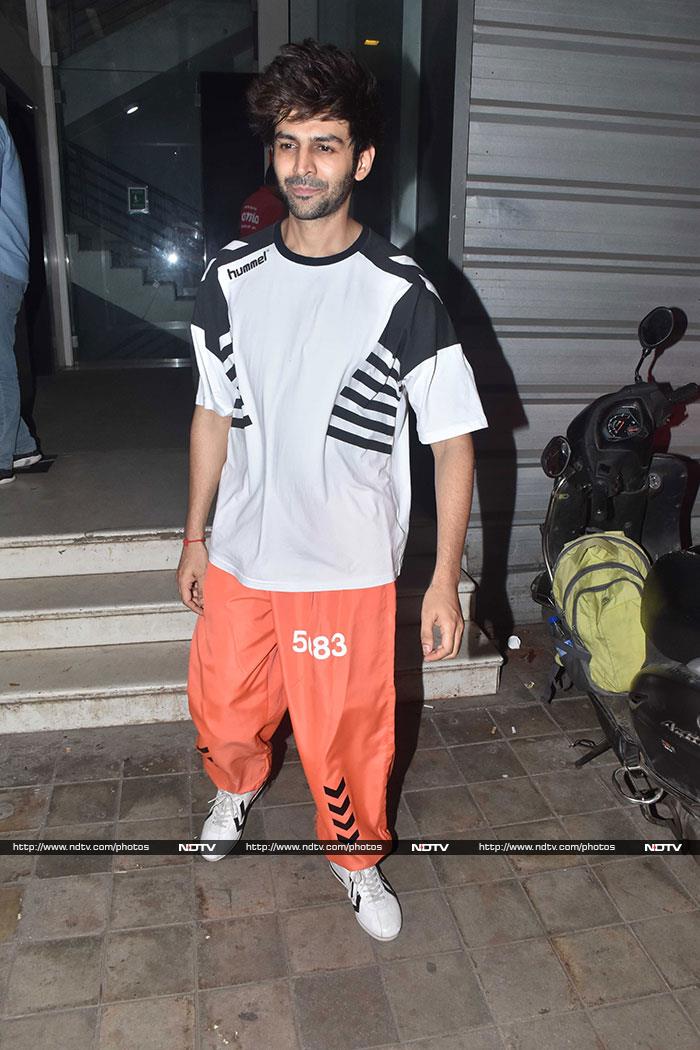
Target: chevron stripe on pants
(327, 657)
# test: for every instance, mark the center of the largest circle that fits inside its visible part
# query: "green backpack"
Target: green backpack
(597, 589)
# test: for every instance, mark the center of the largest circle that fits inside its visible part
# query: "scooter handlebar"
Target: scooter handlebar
(684, 393)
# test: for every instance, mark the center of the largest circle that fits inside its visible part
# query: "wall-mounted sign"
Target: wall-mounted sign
(138, 199)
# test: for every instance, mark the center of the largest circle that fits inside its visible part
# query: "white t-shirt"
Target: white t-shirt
(314, 359)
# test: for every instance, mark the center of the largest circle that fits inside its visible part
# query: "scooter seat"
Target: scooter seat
(671, 605)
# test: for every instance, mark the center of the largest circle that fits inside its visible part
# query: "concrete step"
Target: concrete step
(133, 550)
(474, 671)
(107, 609)
(146, 682)
(122, 608)
(93, 686)
(85, 554)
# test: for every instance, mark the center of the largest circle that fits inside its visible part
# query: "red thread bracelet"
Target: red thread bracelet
(201, 539)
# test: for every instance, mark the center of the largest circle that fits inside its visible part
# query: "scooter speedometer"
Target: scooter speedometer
(624, 423)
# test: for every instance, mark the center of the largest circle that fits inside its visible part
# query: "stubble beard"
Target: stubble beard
(320, 205)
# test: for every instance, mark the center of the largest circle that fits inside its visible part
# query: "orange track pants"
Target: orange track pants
(327, 656)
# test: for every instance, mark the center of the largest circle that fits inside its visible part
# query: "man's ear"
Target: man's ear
(364, 163)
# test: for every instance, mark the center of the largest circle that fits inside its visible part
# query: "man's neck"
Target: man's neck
(318, 238)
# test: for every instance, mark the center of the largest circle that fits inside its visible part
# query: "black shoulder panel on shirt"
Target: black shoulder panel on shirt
(419, 324)
(396, 333)
(379, 251)
(211, 314)
(253, 242)
(418, 327)
(211, 308)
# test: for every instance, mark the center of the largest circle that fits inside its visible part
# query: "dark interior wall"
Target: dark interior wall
(383, 22)
(233, 161)
(18, 66)
(347, 25)
(438, 42)
(160, 143)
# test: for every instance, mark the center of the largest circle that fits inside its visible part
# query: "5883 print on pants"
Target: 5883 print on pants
(327, 657)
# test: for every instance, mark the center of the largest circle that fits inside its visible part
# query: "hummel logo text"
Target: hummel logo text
(238, 271)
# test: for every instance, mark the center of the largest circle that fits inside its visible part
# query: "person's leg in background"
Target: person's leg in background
(15, 439)
(337, 654)
(235, 691)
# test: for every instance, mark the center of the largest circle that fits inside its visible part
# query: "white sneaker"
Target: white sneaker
(26, 459)
(376, 905)
(226, 819)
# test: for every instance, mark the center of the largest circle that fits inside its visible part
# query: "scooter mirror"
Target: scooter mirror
(556, 456)
(656, 328)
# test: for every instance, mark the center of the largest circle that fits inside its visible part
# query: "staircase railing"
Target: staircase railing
(166, 241)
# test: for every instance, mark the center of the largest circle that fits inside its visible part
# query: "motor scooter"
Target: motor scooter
(607, 477)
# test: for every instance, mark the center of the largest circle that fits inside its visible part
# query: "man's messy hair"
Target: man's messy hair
(316, 80)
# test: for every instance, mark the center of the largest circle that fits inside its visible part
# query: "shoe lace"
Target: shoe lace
(222, 803)
(371, 884)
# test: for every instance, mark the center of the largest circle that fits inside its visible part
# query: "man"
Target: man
(310, 337)
(18, 448)
(262, 208)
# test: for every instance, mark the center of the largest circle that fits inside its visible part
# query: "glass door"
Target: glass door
(386, 37)
(129, 120)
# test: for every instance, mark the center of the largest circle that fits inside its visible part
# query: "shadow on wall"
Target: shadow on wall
(496, 461)
(663, 436)
(496, 455)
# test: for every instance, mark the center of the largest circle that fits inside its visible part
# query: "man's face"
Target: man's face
(314, 165)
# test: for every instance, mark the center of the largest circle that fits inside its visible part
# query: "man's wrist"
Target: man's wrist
(446, 578)
(194, 529)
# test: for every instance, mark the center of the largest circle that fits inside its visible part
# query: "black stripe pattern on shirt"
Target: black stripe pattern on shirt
(239, 418)
(419, 325)
(364, 413)
(233, 260)
(211, 314)
(211, 307)
(418, 328)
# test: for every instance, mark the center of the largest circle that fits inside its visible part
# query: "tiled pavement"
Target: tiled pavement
(263, 953)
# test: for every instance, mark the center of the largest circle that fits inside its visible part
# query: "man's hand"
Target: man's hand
(190, 576)
(209, 436)
(441, 608)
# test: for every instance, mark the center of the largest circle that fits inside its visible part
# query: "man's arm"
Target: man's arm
(454, 483)
(208, 446)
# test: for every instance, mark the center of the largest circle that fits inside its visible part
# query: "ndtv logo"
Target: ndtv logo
(196, 847)
(663, 847)
(429, 847)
